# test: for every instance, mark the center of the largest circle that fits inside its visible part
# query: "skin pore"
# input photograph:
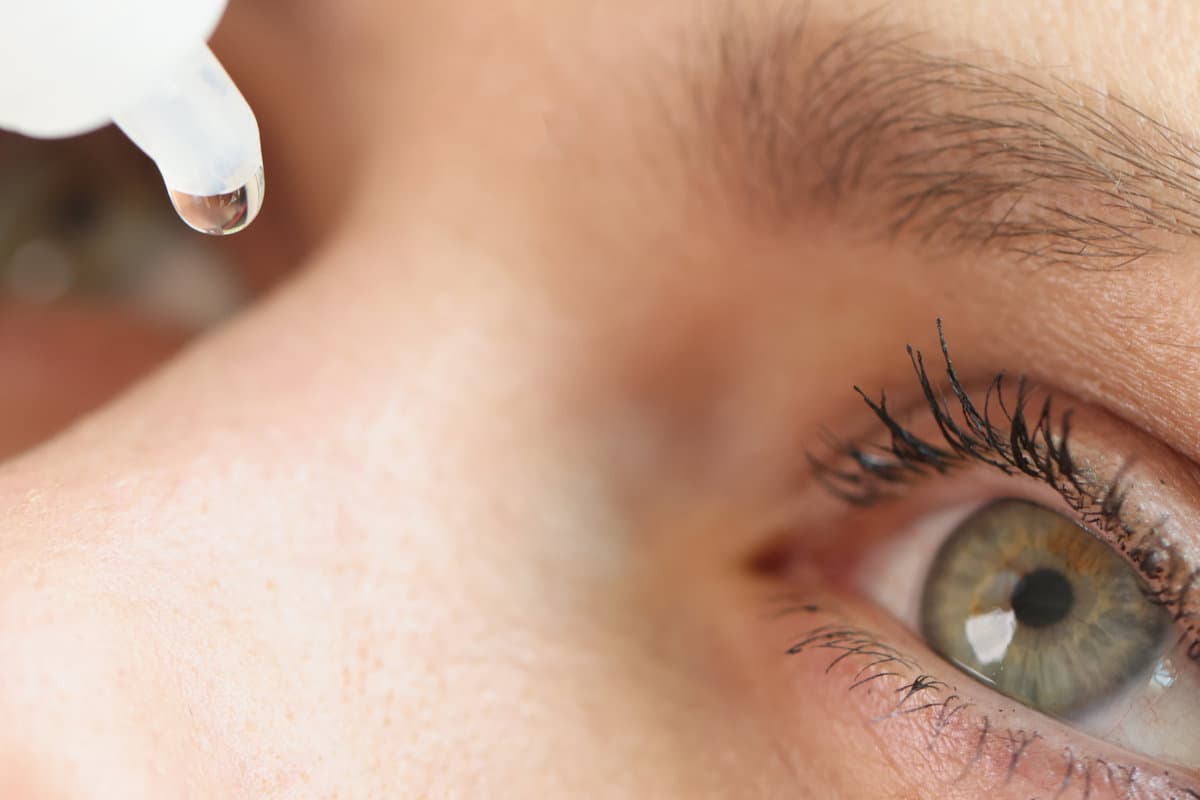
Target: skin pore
(465, 507)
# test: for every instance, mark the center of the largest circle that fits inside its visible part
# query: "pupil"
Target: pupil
(1041, 598)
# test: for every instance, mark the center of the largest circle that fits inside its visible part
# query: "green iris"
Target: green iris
(1030, 602)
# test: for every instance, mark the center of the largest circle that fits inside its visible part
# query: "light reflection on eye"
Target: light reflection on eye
(1025, 601)
(85, 220)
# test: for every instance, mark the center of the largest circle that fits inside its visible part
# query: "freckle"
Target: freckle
(271, 586)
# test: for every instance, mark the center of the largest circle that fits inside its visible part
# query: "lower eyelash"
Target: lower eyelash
(892, 687)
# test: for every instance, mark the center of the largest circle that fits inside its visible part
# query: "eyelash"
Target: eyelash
(1034, 445)
(916, 693)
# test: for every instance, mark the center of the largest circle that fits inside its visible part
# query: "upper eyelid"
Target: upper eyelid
(1026, 165)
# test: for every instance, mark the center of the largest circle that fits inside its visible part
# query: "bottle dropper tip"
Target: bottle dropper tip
(196, 126)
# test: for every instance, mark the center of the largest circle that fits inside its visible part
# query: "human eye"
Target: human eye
(1039, 550)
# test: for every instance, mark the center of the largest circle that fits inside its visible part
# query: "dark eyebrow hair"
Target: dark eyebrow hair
(956, 153)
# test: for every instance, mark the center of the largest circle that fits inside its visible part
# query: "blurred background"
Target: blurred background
(100, 281)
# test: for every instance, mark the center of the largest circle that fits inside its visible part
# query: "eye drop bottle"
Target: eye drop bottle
(71, 66)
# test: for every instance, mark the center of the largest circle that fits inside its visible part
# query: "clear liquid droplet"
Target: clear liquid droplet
(221, 214)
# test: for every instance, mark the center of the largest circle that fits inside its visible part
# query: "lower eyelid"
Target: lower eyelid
(939, 729)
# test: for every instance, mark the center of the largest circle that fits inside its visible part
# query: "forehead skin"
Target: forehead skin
(555, 373)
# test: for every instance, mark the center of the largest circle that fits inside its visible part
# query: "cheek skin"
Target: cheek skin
(842, 672)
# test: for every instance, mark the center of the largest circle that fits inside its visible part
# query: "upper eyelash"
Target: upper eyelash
(1040, 450)
(1036, 445)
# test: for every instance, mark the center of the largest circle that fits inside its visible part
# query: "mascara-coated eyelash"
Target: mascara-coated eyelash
(1039, 449)
(1021, 438)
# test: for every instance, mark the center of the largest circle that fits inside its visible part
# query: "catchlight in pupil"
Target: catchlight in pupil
(1030, 602)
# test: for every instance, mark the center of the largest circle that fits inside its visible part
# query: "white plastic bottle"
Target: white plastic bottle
(70, 66)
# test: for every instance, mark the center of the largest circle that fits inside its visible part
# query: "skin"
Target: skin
(465, 506)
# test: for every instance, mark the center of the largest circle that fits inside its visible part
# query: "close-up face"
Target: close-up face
(686, 399)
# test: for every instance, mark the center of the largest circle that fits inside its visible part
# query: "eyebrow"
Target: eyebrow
(955, 153)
